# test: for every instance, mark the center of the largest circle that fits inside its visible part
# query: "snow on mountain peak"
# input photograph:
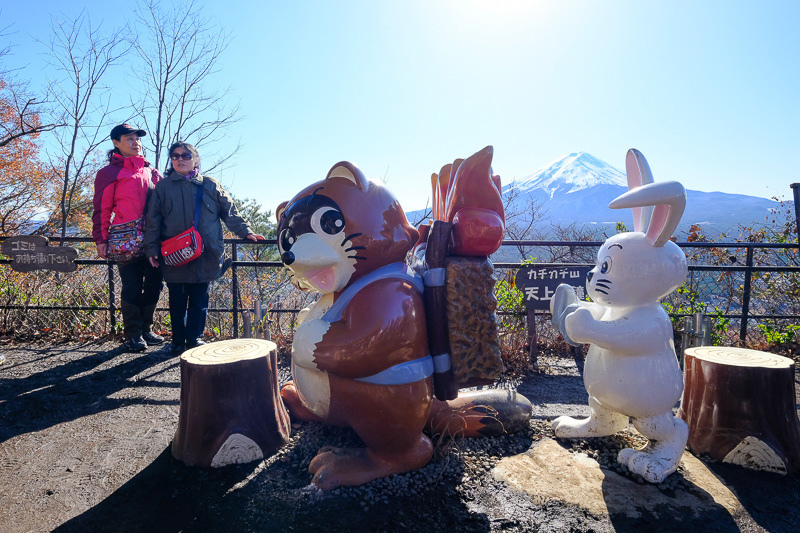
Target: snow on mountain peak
(571, 173)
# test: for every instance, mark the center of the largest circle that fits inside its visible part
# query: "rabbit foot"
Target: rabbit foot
(650, 467)
(568, 427)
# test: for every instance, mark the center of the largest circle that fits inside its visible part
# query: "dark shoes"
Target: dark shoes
(135, 344)
(139, 343)
(151, 338)
(196, 343)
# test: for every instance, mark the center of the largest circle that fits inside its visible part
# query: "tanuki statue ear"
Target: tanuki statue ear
(347, 170)
(280, 209)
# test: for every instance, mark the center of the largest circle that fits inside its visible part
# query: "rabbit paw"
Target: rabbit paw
(563, 297)
(565, 426)
(576, 324)
(564, 302)
(568, 427)
(650, 467)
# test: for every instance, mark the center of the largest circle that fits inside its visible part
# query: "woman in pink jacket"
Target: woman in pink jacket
(121, 190)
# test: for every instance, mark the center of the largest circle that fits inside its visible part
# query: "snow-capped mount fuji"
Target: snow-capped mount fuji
(577, 189)
(575, 172)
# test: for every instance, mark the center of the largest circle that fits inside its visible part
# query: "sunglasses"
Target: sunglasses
(183, 155)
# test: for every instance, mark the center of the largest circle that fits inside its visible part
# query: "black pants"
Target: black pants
(141, 283)
(141, 287)
(188, 309)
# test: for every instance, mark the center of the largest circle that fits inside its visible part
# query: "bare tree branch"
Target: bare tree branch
(22, 180)
(179, 50)
(26, 110)
(524, 218)
(23, 110)
(80, 57)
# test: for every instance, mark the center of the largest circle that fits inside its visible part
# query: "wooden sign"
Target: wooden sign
(33, 252)
(539, 283)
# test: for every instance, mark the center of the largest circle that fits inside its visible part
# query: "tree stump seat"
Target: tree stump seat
(740, 406)
(230, 407)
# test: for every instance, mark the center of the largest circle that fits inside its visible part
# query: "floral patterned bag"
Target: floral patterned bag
(126, 240)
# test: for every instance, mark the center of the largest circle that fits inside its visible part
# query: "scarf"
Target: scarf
(190, 175)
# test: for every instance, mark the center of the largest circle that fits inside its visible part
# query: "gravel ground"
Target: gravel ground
(84, 446)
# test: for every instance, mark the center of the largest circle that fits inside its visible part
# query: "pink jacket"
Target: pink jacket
(120, 193)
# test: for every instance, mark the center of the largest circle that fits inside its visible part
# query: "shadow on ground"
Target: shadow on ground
(167, 496)
(114, 472)
(663, 518)
(771, 500)
(59, 393)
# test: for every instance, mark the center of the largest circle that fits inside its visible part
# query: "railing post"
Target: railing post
(235, 290)
(112, 307)
(533, 342)
(748, 274)
(796, 191)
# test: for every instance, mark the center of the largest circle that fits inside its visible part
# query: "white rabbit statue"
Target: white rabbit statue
(631, 370)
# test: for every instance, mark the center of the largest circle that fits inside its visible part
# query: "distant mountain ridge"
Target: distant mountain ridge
(578, 188)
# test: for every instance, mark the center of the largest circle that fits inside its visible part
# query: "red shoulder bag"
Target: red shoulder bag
(187, 246)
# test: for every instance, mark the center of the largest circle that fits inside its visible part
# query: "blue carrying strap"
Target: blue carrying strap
(392, 270)
(403, 373)
(198, 202)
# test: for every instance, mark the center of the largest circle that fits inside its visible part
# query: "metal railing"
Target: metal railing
(745, 267)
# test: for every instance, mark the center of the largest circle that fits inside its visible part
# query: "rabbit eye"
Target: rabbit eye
(606, 266)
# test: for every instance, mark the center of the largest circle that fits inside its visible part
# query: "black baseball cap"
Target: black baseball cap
(124, 129)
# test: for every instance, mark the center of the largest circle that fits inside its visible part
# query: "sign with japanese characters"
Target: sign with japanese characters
(33, 252)
(539, 283)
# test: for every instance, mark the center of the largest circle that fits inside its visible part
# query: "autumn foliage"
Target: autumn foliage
(23, 179)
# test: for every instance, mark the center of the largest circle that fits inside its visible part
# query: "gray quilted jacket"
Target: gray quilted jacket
(171, 211)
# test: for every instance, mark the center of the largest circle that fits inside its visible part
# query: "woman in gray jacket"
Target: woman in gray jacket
(171, 211)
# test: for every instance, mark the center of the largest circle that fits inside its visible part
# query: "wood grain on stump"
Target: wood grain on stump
(740, 407)
(231, 410)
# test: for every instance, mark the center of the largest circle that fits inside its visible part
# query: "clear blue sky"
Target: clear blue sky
(708, 91)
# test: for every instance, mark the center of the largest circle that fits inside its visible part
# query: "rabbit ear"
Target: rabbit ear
(638, 172)
(669, 198)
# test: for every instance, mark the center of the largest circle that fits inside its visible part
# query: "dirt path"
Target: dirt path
(84, 446)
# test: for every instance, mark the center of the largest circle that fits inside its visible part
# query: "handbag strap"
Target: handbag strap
(198, 203)
(150, 188)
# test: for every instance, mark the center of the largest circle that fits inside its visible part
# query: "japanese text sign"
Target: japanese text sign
(539, 283)
(32, 252)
